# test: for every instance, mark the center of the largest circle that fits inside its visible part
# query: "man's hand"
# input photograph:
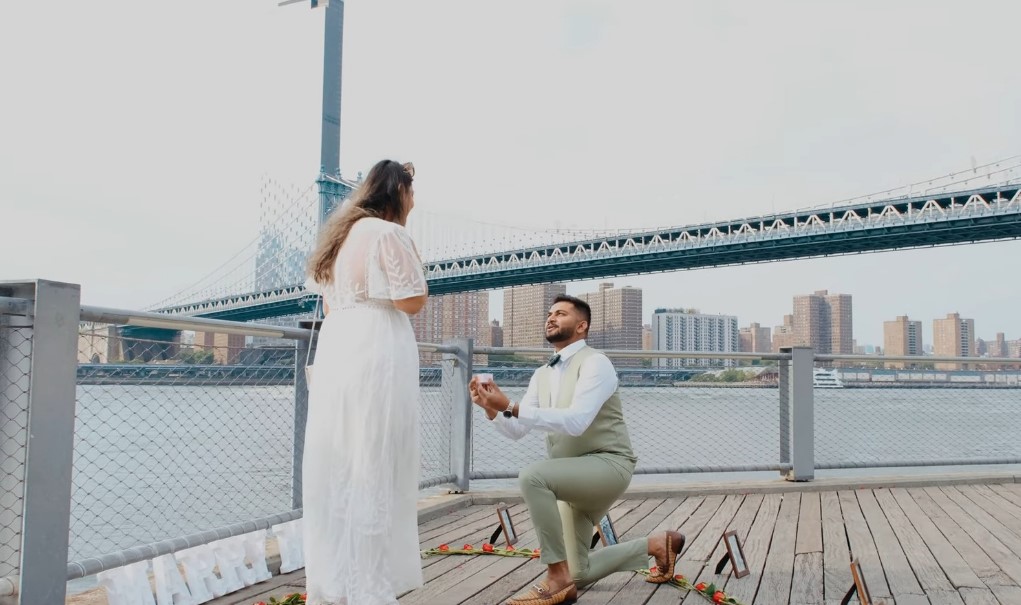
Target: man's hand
(488, 396)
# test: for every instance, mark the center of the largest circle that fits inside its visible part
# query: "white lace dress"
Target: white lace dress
(361, 461)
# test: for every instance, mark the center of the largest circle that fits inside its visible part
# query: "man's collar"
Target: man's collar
(571, 349)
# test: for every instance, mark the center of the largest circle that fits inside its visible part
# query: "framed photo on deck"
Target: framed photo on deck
(607, 535)
(503, 512)
(737, 560)
(859, 583)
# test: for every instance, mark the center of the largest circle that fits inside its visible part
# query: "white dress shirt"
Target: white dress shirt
(596, 382)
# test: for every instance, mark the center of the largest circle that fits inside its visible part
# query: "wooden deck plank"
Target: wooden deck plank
(927, 570)
(775, 586)
(1002, 509)
(1007, 595)
(960, 545)
(899, 575)
(602, 591)
(945, 598)
(807, 584)
(978, 596)
(973, 554)
(809, 525)
(455, 577)
(698, 532)
(862, 545)
(989, 521)
(756, 549)
(525, 575)
(950, 561)
(1006, 527)
(741, 523)
(1007, 561)
(836, 553)
(477, 531)
(637, 591)
(908, 599)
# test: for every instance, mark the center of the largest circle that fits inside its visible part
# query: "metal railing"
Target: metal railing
(151, 434)
(171, 432)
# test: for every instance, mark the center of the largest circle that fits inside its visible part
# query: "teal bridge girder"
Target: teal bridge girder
(972, 216)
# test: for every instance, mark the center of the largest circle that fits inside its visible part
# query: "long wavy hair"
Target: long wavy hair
(381, 195)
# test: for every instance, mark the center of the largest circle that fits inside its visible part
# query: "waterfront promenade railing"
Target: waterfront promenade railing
(129, 435)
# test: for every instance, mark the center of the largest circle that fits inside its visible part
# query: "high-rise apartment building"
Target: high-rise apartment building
(953, 337)
(823, 321)
(616, 319)
(524, 313)
(783, 336)
(902, 337)
(461, 315)
(755, 339)
(1014, 348)
(496, 333)
(998, 347)
(689, 330)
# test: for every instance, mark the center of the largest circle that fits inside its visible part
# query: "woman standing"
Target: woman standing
(360, 465)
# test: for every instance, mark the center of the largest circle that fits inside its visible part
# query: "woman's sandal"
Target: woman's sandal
(665, 575)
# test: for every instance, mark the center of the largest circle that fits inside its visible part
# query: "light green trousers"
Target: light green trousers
(585, 487)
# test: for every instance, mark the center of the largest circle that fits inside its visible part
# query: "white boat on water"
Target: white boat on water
(825, 378)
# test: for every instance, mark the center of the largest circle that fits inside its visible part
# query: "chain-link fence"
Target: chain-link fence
(688, 414)
(434, 418)
(15, 368)
(179, 432)
(885, 417)
(682, 414)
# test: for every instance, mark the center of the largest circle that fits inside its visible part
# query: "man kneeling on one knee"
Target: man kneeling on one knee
(574, 400)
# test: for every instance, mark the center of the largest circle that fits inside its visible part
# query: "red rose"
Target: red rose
(679, 578)
(653, 569)
(510, 548)
(444, 548)
(466, 547)
(535, 553)
(304, 597)
(487, 547)
(700, 586)
(719, 596)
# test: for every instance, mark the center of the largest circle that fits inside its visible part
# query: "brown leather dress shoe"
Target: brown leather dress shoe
(674, 540)
(541, 595)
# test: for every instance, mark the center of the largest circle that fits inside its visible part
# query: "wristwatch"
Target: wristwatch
(509, 412)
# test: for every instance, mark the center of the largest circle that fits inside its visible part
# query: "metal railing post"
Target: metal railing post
(50, 445)
(457, 371)
(301, 356)
(783, 380)
(802, 397)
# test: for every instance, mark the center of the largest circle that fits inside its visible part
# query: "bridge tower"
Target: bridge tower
(332, 190)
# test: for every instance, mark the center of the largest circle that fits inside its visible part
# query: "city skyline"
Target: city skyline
(824, 114)
(927, 323)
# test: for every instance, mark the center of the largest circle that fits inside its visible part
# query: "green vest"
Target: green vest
(606, 435)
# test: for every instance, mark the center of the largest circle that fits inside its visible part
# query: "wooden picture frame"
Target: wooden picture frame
(509, 534)
(859, 583)
(735, 552)
(607, 535)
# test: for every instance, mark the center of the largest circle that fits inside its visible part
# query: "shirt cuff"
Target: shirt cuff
(527, 415)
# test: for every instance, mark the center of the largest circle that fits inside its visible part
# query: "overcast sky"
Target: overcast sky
(134, 137)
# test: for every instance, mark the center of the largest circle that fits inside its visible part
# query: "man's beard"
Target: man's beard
(559, 336)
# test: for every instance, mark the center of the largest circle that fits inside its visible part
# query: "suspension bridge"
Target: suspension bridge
(264, 279)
